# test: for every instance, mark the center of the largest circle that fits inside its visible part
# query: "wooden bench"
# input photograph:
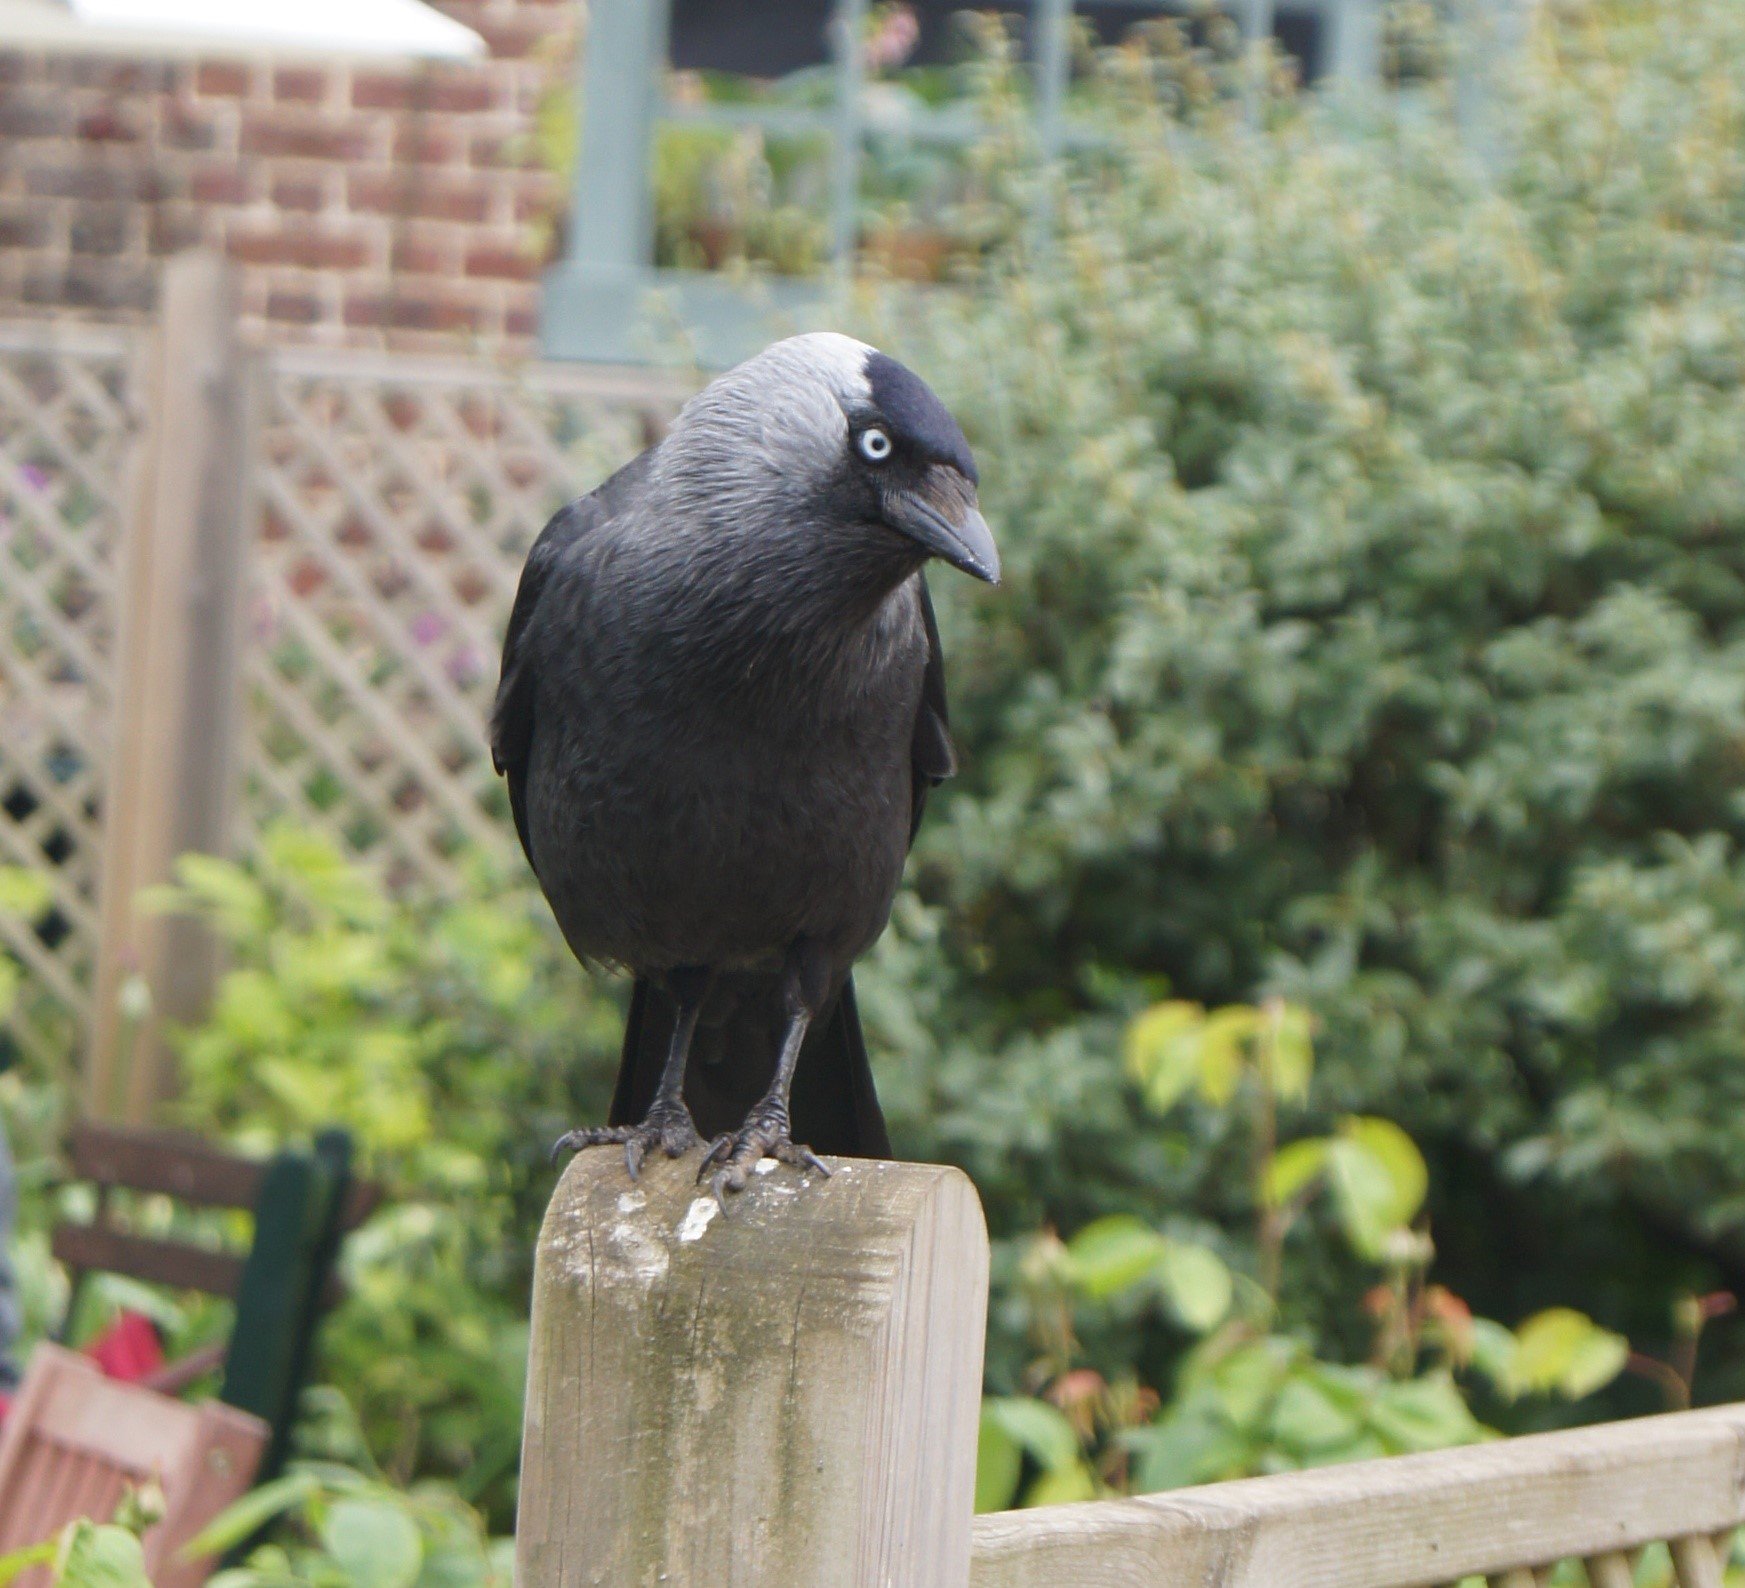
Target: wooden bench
(76, 1442)
(303, 1204)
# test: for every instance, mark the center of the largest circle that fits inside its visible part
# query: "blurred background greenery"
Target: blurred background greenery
(1330, 962)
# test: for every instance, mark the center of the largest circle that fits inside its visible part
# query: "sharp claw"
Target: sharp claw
(560, 1146)
(813, 1161)
(633, 1151)
(718, 1149)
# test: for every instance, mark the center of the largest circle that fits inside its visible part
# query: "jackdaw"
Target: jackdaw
(721, 709)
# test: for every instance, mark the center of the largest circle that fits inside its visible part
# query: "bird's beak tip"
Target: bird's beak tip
(954, 532)
(977, 555)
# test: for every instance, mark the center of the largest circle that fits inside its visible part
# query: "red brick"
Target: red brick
(428, 195)
(184, 126)
(422, 143)
(303, 85)
(458, 95)
(294, 308)
(496, 149)
(29, 227)
(175, 227)
(107, 125)
(297, 193)
(521, 321)
(93, 180)
(313, 250)
(412, 311)
(420, 256)
(93, 284)
(35, 118)
(382, 90)
(222, 79)
(501, 264)
(100, 228)
(305, 137)
(220, 184)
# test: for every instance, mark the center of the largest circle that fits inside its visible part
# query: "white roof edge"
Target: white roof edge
(314, 30)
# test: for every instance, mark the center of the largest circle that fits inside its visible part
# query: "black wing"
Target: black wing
(512, 717)
(932, 759)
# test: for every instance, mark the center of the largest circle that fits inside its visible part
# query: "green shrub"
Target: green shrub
(456, 1040)
(1373, 636)
(1251, 1393)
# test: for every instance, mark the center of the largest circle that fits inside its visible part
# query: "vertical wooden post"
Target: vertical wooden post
(848, 62)
(172, 768)
(785, 1394)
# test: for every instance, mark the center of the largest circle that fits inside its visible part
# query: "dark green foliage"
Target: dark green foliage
(1374, 636)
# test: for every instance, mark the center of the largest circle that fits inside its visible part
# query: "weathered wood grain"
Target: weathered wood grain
(787, 1394)
(177, 700)
(1490, 1510)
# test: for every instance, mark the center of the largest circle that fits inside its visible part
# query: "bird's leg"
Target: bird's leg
(767, 1129)
(668, 1124)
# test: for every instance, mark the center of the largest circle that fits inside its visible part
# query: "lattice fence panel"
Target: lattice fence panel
(65, 425)
(398, 499)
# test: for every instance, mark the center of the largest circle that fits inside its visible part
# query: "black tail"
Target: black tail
(835, 1108)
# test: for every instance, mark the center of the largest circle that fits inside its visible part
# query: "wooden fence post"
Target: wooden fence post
(787, 1394)
(172, 768)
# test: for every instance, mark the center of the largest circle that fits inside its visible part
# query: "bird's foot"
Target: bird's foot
(765, 1134)
(667, 1127)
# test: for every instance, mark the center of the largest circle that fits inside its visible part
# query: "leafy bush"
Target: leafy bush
(1373, 637)
(1251, 1394)
(457, 1041)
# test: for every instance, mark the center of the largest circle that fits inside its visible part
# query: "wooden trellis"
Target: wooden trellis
(397, 501)
(65, 427)
(237, 585)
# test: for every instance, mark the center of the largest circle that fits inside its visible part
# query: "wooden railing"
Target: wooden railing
(787, 1394)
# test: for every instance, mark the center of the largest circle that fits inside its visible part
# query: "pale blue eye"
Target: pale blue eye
(875, 445)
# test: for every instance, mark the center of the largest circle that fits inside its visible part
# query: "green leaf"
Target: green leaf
(245, 1517)
(1163, 1052)
(1196, 1283)
(1379, 1180)
(1425, 1413)
(1113, 1254)
(375, 1543)
(1564, 1352)
(1311, 1420)
(1223, 1048)
(1246, 1380)
(98, 1555)
(1494, 1349)
(1292, 1168)
(999, 1460)
(1070, 1483)
(21, 1560)
(1041, 1431)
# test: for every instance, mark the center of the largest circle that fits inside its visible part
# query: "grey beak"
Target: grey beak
(963, 539)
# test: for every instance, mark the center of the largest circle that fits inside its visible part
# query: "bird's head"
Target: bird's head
(826, 431)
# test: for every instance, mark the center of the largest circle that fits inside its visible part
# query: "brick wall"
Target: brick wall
(398, 206)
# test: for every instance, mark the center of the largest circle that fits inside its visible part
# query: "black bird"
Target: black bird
(721, 709)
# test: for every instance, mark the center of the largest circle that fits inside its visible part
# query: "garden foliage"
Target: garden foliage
(1373, 637)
